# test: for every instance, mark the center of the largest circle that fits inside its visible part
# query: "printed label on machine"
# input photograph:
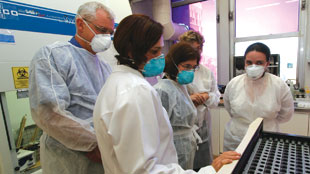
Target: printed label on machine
(21, 77)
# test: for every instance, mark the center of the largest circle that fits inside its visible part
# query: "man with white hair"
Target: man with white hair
(65, 79)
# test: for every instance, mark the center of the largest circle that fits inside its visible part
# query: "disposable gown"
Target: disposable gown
(204, 81)
(63, 86)
(133, 129)
(245, 100)
(182, 114)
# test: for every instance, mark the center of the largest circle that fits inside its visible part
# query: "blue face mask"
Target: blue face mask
(185, 77)
(154, 66)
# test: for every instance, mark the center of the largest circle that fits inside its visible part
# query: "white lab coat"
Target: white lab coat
(63, 86)
(245, 100)
(204, 81)
(133, 130)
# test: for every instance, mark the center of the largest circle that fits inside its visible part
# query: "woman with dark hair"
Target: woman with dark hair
(255, 94)
(205, 95)
(132, 128)
(181, 62)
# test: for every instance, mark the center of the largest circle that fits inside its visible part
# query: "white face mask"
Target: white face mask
(255, 71)
(100, 42)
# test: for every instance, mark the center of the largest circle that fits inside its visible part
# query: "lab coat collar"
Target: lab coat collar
(124, 68)
(74, 42)
(178, 85)
(183, 87)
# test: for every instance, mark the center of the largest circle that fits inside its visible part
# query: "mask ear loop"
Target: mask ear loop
(82, 38)
(87, 25)
(88, 28)
(144, 63)
(130, 60)
(169, 75)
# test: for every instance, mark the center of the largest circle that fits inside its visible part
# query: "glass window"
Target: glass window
(287, 48)
(203, 19)
(265, 17)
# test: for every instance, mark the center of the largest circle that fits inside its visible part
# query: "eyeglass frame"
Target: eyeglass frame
(190, 67)
(102, 30)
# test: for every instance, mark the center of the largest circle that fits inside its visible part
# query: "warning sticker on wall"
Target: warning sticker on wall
(21, 77)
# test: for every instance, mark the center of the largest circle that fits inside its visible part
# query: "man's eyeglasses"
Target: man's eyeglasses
(190, 67)
(102, 30)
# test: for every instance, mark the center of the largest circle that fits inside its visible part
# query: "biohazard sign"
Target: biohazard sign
(21, 77)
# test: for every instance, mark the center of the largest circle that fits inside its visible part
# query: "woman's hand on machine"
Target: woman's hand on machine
(225, 158)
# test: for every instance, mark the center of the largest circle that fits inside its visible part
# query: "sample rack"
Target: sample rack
(270, 152)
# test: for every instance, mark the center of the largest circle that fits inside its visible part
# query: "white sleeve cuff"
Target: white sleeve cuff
(207, 170)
